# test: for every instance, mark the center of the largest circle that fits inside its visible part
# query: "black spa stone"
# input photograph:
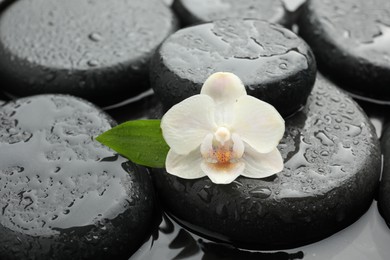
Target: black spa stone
(64, 195)
(351, 39)
(274, 64)
(332, 167)
(200, 11)
(384, 190)
(98, 50)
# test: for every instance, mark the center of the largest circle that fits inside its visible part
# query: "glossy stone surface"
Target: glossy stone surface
(332, 167)
(200, 11)
(63, 194)
(384, 191)
(351, 42)
(93, 49)
(274, 64)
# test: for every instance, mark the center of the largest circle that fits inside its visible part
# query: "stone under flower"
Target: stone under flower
(223, 133)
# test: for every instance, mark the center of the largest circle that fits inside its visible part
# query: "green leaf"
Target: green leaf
(140, 141)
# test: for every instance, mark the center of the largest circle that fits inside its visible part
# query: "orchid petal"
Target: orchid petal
(185, 166)
(186, 124)
(258, 124)
(223, 174)
(206, 147)
(261, 165)
(224, 88)
(238, 146)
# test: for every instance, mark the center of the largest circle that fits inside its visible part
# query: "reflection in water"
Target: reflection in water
(214, 251)
(367, 238)
(174, 242)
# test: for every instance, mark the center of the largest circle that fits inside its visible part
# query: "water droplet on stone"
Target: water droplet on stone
(260, 192)
(49, 77)
(325, 139)
(222, 210)
(283, 66)
(96, 37)
(93, 63)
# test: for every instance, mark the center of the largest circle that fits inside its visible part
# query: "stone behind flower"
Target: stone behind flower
(274, 64)
(63, 194)
(200, 11)
(351, 41)
(332, 167)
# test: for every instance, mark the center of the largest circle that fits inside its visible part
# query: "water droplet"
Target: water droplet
(335, 99)
(324, 153)
(49, 77)
(260, 192)
(324, 139)
(93, 63)
(283, 66)
(353, 130)
(205, 195)
(96, 37)
(222, 210)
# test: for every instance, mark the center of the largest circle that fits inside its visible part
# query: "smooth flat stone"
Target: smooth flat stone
(200, 11)
(332, 167)
(384, 190)
(63, 194)
(351, 42)
(98, 50)
(274, 64)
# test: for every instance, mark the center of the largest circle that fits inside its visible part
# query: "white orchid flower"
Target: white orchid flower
(223, 133)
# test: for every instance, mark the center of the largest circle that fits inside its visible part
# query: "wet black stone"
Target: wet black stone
(384, 191)
(351, 40)
(274, 64)
(332, 167)
(200, 11)
(98, 50)
(63, 194)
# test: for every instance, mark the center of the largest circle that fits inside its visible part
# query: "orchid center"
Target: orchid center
(222, 135)
(222, 148)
